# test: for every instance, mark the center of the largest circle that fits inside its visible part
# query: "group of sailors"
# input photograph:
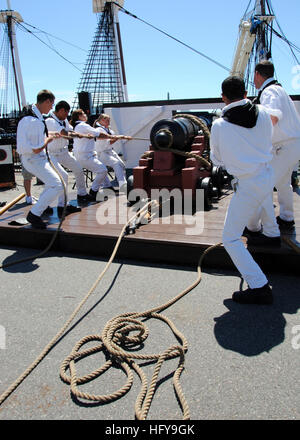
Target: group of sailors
(256, 142)
(92, 151)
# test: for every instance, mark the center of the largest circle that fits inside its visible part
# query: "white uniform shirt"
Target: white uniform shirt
(241, 150)
(85, 148)
(55, 124)
(103, 144)
(31, 133)
(288, 126)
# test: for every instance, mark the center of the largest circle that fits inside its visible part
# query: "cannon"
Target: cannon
(176, 133)
(179, 157)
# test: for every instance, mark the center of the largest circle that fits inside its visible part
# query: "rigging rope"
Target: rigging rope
(53, 36)
(22, 27)
(57, 53)
(173, 38)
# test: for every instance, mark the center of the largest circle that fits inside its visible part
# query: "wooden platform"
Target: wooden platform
(94, 231)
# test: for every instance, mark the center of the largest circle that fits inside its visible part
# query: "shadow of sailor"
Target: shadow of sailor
(253, 329)
(14, 263)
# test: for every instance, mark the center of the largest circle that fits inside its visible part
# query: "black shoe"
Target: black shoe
(261, 295)
(35, 221)
(263, 240)
(248, 233)
(93, 195)
(48, 211)
(84, 199)
(285, 225)
(70, 209)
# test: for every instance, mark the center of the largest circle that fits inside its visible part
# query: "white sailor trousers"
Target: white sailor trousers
(63, 173)
(67, 159)
(95, 166)
(111, 159)
(251, 192)
(283, 163)
(38, 165)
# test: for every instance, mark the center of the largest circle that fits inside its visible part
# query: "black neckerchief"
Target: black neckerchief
(61, 123)
(257, 99)
(104, 128)
(243, 115)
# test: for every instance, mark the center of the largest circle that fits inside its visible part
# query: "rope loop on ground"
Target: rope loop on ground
(114, 339)
(118, 343)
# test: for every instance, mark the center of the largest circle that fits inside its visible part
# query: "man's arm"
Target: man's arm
(270, 100)
(120, 136)
(48, 139)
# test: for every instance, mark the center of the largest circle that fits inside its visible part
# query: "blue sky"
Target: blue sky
(155, 65)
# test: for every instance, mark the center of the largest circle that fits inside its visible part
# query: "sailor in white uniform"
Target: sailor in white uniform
(241, 143)
(60, 155)
(285, 139)
(84, 150)
(32, 139)
(106, 153)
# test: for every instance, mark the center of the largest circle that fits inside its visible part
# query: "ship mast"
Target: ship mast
(261, 49)
(253, 43)
(103, 78)
(8, 18)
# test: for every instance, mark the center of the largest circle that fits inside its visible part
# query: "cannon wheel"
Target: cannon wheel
(129, 187)
(207, 185)
(217, 179)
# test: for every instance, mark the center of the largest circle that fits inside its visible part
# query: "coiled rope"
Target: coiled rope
(113, 339)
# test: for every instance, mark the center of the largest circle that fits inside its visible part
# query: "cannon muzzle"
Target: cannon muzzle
(177, 133)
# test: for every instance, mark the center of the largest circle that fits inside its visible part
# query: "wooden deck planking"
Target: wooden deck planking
(163, 242)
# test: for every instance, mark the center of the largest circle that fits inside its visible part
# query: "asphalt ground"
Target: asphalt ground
(242, 361)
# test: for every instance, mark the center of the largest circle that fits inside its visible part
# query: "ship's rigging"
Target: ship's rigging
(258, 25)
(259, 14)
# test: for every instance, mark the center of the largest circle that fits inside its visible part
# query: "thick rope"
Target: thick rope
(49, 346)
(187, 154)
(114, 336)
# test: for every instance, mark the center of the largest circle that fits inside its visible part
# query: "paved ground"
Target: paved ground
(242, 361)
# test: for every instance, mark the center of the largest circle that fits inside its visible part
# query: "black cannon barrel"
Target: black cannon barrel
(175, 133)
